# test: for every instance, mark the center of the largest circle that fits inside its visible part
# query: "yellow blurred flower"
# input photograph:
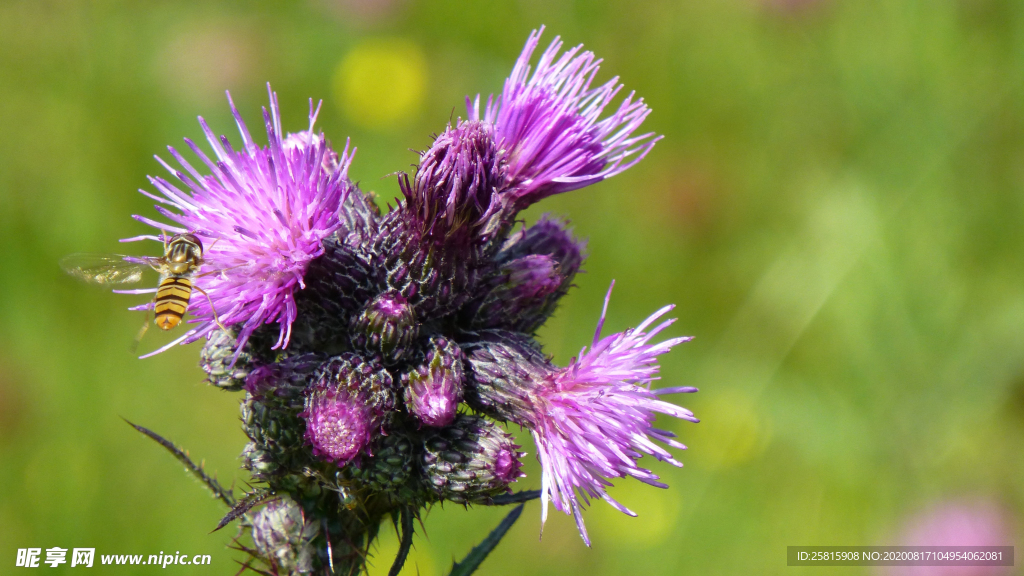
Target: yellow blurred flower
(381, 82)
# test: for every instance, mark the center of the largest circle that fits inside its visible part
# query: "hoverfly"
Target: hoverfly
(183, 255)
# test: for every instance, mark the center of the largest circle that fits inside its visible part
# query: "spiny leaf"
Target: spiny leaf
(477, 555)
(244, 505)
(248, 566)
(524, 496)
(196, 469)
(403, 549)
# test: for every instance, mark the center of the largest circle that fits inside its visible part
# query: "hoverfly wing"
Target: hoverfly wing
(106, 269)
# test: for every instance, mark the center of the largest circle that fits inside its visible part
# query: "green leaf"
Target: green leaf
(477, 555)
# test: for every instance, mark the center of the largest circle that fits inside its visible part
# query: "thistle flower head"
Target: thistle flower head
(395, 319)
(434, 389)
(262, 213)
(593, 419)
(549, 129)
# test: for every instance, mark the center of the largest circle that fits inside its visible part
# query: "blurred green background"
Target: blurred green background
(837, 208)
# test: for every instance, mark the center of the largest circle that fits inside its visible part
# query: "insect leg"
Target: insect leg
(212, 309)
(219, 270)
(163, 238)
(142, 332)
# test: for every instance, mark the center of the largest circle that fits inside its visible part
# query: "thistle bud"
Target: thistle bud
(217, 359)
(549, 236)
(504, 369)
(337, 285)
(470, 461)
(283, 536)
(454, 192)
(284, 379)
(535, 268)
(431, 243)
(345, 406)
(390, 469)
(519, 290)
(338, 424)
(386, 326)
(258, 462)
(433, 389)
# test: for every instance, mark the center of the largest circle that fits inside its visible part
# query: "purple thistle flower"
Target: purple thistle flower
(548, 125)
(263, 214)
(593, 419)
(308, 139)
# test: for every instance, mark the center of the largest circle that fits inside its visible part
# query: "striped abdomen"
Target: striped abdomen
(172, 301)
